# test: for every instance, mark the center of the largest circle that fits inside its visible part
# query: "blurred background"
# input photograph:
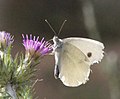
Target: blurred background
(96, 19)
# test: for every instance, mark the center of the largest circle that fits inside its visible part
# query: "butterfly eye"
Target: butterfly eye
(89, 54)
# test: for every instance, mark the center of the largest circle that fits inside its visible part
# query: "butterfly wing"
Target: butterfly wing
(74, 67)
(91, 48)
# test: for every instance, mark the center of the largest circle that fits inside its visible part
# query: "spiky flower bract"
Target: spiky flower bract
(5, 39)
(35, 48)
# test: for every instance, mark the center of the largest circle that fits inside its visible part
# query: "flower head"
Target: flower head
(5, 39)
(35, 48)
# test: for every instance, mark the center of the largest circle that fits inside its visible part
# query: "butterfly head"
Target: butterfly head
(57, 42)
(55, 39)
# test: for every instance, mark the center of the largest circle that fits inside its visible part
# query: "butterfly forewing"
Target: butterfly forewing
(91, 48)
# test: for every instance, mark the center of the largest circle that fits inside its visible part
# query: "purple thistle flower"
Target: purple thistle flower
(5, 39)
(35, 48)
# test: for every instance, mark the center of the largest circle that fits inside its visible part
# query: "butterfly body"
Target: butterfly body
(73, 57)
(57, 51)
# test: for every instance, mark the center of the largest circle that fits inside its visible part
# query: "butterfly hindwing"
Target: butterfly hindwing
(74, 67)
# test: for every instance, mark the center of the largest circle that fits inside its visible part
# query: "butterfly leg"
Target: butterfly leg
(56, 72)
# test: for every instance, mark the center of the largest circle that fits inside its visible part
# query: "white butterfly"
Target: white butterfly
(73, 58)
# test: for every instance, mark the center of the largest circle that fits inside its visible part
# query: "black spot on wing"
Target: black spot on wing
(89, 54)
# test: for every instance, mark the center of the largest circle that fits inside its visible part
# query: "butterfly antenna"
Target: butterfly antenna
(61, 26)
(50, 26)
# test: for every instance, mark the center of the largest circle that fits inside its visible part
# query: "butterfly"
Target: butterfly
(73, 58)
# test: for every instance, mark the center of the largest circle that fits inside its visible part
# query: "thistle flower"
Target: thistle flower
(5, 39)
(35, 48)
